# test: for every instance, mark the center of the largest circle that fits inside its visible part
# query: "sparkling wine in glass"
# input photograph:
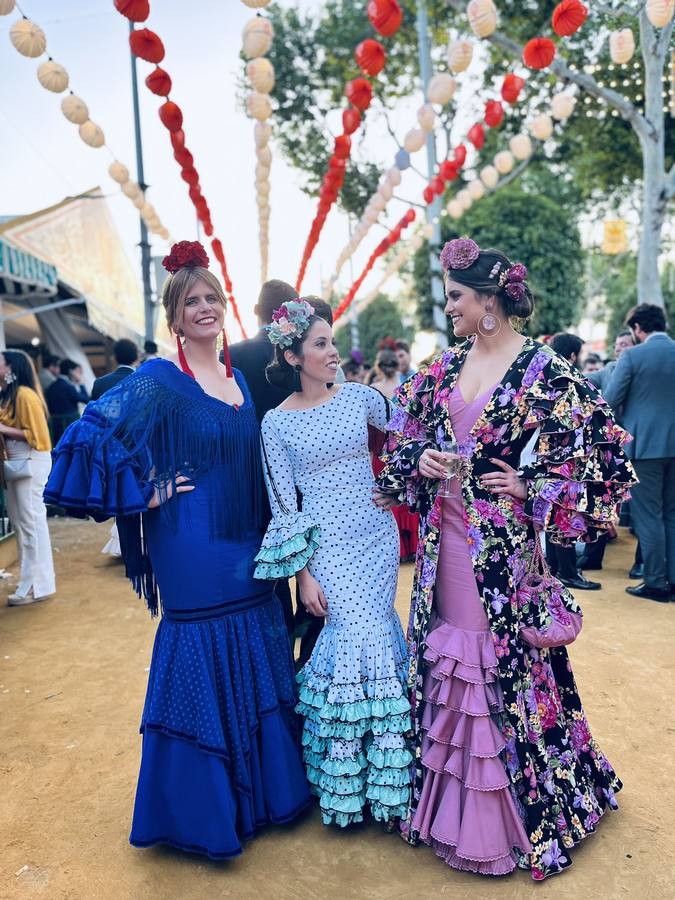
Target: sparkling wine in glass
(452, 460)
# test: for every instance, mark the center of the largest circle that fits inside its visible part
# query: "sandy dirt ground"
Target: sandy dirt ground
(72, 680)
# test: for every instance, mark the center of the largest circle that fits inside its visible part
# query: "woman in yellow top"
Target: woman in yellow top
(23, 426)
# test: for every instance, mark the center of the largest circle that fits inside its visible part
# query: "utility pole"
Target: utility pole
(140, 177)
(433, 209)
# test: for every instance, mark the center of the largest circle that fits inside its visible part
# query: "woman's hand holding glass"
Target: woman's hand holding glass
(443, 464)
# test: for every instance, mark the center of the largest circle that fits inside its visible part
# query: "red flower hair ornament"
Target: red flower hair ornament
(186, 255)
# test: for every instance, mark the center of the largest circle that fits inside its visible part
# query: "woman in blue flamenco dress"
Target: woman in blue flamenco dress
(173, 452)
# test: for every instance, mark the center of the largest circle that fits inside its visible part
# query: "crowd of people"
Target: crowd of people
(232, 476)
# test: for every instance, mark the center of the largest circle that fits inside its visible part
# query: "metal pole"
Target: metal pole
(433, 209)
(140, 177)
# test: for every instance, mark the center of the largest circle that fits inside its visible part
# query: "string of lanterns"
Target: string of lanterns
(147, 45)
(386, 17)
(256, 42)
(30, 40)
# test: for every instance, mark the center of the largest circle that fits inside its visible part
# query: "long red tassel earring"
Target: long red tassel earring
(226, 355)
(182, 359)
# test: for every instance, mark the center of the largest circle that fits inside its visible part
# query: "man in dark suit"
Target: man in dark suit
(126, 357)
(64, 397)
(641, 392)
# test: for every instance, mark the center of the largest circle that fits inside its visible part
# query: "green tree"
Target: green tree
(380, 319)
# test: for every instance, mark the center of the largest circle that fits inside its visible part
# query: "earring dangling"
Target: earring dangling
(226, 356)
(10, 377)
(297, 383)
(182, 359)
(489, 325)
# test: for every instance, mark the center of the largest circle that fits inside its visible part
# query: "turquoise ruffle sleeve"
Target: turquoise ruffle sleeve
(287, 547)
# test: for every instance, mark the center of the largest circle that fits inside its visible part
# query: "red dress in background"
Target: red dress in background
(408, 522)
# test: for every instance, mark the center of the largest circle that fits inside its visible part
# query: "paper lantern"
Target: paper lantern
(494, 113)
(258, 106)
(521, 146)
(159, 82)
(504, 162)
(342, 146)
(393, 176)
(6, 7)
(562, 106)
(460, 54)
(28, 38)
(614, 237)
(74, 109)
(264, 155)
(262, 172)
(260, 72)
(659, 12)
(351, 119)
(378, 203)
(476, 134)
(385, 16)
(402, 160)
(138, 201)
(448, 170)
(482, 17)
(255, 4)
(177, 139)
(621, 46)
(386, 191)
(441, 88)
(426, 117)
(489, 176)
(262, 133)
(464, 198)
(539, 53)
(414, 140)
(568, 17)
(511, 87)
(459, 155)
(542, 127)
(257, 37)
(359, 92)
(428, 194)
(132, 189)
(184, 158)
(477, 189)
(264, 188)
(190, 176)
(171, 116)
(146, 45)
(52, 76)
(134, 10)
(118, 172)
(92, 134)
(370, 57)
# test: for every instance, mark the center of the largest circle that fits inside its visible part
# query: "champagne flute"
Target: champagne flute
(452, 463)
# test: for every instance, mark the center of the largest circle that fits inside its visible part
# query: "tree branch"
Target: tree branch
(623, 10)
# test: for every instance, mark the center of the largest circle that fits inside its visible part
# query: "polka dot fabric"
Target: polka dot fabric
(352, 690)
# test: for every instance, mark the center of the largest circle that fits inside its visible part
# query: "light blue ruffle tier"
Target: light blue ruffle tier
(287, 547)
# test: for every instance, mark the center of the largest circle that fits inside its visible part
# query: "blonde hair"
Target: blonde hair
(177, 287)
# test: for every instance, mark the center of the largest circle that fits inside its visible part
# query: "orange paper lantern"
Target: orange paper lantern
(539, 53)
(147, 45)
(568, 17)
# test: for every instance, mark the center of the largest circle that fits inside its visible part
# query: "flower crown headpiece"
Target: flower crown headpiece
(462, 253)
(186, 255)
(289, 322)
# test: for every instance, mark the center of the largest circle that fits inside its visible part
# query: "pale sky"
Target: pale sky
(43, 160)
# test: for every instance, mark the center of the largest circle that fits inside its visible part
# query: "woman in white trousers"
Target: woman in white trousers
(23, 426)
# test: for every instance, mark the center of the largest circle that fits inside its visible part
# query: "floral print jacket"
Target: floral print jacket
(560, 780)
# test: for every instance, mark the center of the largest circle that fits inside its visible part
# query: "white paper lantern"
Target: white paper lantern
(257, 37)
(477, 189)
(378, 203)
(521, 146)
(52, 76)
(6, 7)
(264, 189)
(464, 198)
(441, 88)
(92, 134)
(74, 109)
(259, 106)
(428, 230)
(504, 162)
(256, 4)
(163, 233)
(28, 38)
(621, 46)
(386, 190)
(118, 172)
(264, 155)
(562, 106)
(260, 73)
(414, 140)
(455, 209)
(393, 176)
(262, 133)
(426, 117)
(542, 127)
(139, 201)
(660, 12)
(262, 172)
(148, 211)
(460, 54)
(489, 176)
(482, 17)
(132, 189)
(370, 216)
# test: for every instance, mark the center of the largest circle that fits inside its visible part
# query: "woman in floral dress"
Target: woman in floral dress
(507, 770)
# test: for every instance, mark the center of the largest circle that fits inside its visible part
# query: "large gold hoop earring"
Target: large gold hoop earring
(489, 325)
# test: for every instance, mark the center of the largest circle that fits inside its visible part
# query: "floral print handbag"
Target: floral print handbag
(549, 615)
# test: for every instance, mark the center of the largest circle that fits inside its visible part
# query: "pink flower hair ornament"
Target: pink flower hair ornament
(461, 253)
(289, 322)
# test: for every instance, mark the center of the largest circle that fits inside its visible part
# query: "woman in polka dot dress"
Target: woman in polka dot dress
(344, 553)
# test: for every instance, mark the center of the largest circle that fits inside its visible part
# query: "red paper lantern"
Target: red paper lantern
(335, 162)
(343, 146)
(460, 155)
(159, 82)
(351, 119)
(448, 170)
(190, 175)
(208, 229)
(494, 113)
(428, 194)
(409, 217)
(184, 158)
(385, 16)
(217, 247)
(134, 10)
(195, 194)
(370, 57)
(539, 53)
(437, 185)
(476, 134)
(511, 87)
(568, 17)
(177, 139)
(171, 116)
(359, 92)
(147, 45)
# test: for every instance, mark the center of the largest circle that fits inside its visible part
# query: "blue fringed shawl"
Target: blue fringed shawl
(155, 425)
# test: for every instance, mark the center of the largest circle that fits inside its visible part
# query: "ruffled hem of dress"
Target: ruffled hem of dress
(286, 549)
(502, 865)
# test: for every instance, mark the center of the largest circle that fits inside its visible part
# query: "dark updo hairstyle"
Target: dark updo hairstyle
(387, 362)
(477, 277)
(280, 373)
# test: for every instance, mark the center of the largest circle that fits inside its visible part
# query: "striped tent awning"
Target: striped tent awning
(21, 273)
